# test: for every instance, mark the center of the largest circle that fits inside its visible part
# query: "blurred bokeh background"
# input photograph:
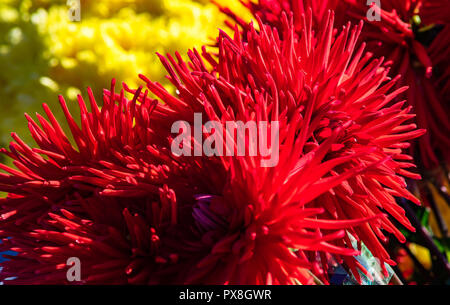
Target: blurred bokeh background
(43, 53)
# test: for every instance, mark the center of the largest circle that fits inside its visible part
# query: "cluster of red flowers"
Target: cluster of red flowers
(397, 36)
(133, 212)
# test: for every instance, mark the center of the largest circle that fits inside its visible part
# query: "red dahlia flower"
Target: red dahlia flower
(333, 113)
(270, 11)
(104, 201)
(399, 37)
(402, 36)
(133, 212)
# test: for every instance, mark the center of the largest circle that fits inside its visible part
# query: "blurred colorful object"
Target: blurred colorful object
(43, 53)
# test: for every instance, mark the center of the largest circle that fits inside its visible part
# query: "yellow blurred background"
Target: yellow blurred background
(43, 53)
